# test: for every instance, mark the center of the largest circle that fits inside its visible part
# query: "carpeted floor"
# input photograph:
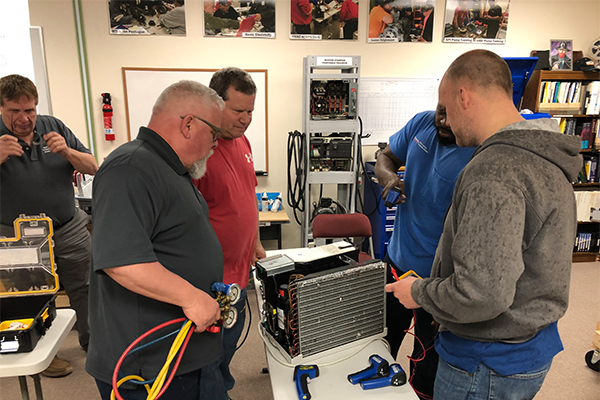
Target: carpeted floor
(569, 377)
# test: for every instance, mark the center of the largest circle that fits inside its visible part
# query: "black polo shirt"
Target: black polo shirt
(147, 209)
(39, 181)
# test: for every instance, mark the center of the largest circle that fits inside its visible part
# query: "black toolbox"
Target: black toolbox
(28, 284)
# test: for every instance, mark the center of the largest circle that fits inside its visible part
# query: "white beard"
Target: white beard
(198, 169)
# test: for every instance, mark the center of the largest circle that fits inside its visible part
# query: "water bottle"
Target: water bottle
(265, 202)
(276, 203)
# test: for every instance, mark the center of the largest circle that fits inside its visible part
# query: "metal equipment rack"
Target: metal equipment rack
(330, 106)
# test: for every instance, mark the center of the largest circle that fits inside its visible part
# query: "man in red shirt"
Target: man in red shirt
(228, 187)
(349, 17)
(301, 16)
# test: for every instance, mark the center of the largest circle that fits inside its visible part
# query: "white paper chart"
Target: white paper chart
(385, 105)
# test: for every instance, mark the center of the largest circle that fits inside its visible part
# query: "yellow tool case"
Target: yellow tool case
(28, 284)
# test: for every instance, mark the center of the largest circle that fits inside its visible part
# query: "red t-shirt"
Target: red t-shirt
(349, 11)
(301, 12)
(229, 189)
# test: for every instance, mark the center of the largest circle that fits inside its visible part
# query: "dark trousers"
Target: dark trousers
(218, 377)
(72, 253)
(398, 320)
(350, 27)
(183, 387)
(302, 29)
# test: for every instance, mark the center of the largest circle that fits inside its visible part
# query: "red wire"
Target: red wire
(415, 361)
(133, 344)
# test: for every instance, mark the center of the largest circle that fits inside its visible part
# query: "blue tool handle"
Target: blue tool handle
(218, 287)
(392, 196)
(375, 383)
(364, 374)
(301, 375)
(302, 387)
(397, 377)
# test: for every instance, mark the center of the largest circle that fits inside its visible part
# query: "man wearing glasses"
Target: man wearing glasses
(154, 252)
(229, 189)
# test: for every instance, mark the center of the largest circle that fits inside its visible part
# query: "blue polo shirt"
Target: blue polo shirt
(430, 176)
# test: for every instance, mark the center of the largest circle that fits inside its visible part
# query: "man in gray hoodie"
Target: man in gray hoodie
(500, 277)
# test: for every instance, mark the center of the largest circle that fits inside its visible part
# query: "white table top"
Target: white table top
(36, 361)
(332, 382)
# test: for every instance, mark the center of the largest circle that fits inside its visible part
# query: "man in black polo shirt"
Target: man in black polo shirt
(155, 254)
(38, 155)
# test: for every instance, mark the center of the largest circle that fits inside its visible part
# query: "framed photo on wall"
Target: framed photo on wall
(324, 19)
(468, 21)
(561, 55)
(239, 18)
(147, 17)
(400, 21)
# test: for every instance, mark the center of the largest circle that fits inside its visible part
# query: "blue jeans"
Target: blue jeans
(217, 379)
(452, 383)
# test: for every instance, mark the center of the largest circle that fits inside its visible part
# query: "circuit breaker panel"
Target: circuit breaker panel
(331, 127)
(333, 99)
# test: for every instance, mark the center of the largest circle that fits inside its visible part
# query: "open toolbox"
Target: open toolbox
(28, 284)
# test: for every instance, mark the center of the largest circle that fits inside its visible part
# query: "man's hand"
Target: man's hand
(82, 162)
(202, 310)
(401, 290)
(259, 252)
(394, 183)
(9, 146)
(56, 143)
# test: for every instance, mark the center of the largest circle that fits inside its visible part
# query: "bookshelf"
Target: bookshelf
(571, 98)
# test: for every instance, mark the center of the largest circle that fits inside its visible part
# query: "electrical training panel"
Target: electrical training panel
(331, 127)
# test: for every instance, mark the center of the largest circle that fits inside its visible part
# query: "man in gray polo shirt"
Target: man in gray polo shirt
(155, 254)
(38, 155)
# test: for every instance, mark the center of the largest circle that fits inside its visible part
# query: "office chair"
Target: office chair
(344, 226)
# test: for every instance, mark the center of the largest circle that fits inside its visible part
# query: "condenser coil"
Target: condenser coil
(340, 306)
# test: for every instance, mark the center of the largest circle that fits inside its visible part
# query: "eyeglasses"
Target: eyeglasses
(214, 130)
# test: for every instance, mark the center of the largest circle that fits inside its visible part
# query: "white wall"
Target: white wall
(532, 23)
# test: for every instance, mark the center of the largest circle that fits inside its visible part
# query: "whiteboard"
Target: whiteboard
(144, 85)
(385, 105)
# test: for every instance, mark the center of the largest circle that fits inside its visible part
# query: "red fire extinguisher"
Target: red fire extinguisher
(107, 111)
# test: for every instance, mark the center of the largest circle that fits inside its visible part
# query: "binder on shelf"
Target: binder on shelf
(592, 105)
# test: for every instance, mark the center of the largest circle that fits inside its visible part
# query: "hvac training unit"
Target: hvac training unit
(320, 299)
(331, 130)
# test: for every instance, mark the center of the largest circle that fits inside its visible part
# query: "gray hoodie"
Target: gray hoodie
(503, 263)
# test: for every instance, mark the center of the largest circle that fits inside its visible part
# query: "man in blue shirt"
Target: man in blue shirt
(500, 278)
(426, 147)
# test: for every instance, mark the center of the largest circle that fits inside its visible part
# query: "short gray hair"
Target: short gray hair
(186, 89)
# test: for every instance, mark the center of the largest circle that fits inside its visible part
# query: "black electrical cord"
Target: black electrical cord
(361, 165)
(249, 323)
(297, 163)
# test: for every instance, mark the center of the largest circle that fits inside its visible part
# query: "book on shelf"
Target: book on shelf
(592, 101)
(586, 132)
(593, 178)
(596, 134)
(586, 201)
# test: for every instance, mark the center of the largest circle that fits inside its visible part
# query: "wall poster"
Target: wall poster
(400, 21)
(239, 18)
(324, 19)
(147, 17)
(476, 21)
